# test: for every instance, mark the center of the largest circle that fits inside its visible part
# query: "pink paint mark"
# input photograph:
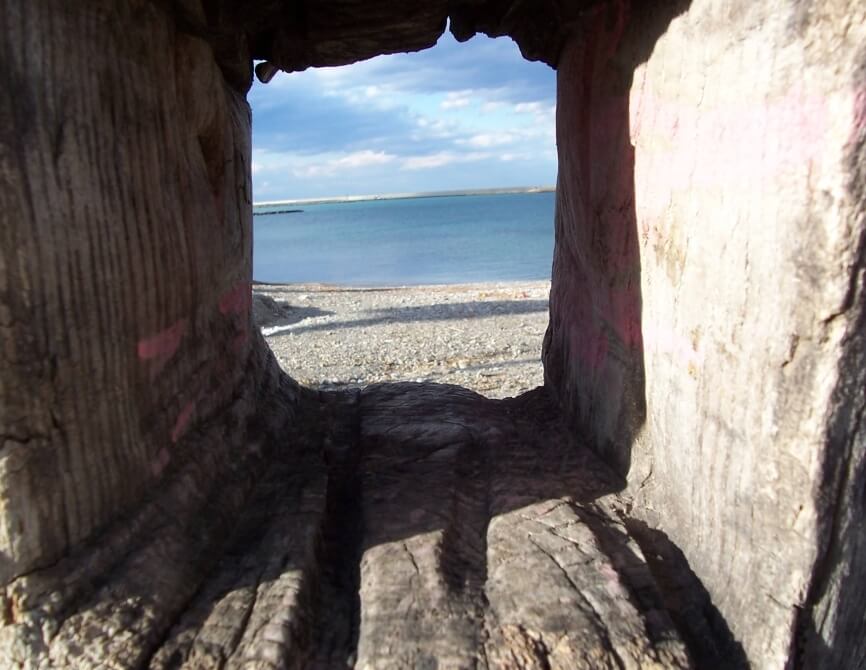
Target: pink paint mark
(183, 420)
(236, 300)
(728, 147)
(160, 462)
(665, 341)
(159, 348)
(165, 343)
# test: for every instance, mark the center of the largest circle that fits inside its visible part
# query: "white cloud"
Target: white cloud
(352, 161)
(529, 107)
(543, 112)
(457, 100)
(441, 158)
(486, 140)
(434, 128)
(265, 161)
(456, 103)
(429, 161)
(364, 158)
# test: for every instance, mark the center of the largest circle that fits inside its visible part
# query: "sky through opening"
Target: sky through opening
(454, 117)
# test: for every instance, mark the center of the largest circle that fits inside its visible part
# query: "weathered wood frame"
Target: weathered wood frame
(154, 460)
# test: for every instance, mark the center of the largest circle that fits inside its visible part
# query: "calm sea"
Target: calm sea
(427, 240)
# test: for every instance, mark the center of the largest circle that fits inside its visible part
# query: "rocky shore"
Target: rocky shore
(486, 337)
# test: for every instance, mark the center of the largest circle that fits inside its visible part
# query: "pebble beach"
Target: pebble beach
(486, 337)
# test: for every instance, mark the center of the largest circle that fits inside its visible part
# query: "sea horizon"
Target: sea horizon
(406, 196)
(439, 238)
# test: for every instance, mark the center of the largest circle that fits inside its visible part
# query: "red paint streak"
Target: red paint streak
(165, 343)
(182, 422)
(159, 348)
(236, 300)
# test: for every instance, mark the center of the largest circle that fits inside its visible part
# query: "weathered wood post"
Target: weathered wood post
(738, 241)
(169, 498)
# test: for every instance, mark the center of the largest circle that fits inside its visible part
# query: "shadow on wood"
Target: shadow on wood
(401, 526)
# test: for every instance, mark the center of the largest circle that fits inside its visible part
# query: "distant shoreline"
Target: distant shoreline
(338, 287)
(405, 196)
(282, 211)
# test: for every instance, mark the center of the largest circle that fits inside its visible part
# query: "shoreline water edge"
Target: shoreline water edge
(401, 196)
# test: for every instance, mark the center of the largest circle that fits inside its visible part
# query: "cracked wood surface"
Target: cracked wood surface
(167, 498)
(707, 330)
(313, 33)
(403, 526)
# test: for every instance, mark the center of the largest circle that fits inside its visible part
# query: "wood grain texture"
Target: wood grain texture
(169, 499)
(296, 35)
(126, 220)
(403, 526)
(706, 309)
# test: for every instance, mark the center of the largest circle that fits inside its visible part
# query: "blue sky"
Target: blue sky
(457, 116)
